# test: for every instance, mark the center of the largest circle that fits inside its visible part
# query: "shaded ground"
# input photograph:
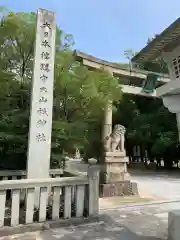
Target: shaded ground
(103, 230)
(148, 222)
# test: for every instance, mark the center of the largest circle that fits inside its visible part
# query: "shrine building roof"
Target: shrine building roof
(163, 42)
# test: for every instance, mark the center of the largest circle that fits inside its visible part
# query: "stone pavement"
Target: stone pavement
(103, 230)
(168, 184)
(133, 222)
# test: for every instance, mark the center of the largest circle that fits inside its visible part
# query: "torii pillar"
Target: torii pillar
(167, 46)
(114, 175)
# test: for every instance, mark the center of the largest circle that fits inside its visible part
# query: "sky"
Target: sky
(106, 28)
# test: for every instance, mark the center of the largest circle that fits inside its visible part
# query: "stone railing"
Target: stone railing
(64, 197)
(20, 174)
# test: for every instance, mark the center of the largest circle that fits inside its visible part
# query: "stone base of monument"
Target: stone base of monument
(123, 188)
(116, 167)
(173, 225)
(115, 176)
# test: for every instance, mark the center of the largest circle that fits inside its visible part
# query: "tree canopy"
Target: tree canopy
(79, 97)
(79, 93)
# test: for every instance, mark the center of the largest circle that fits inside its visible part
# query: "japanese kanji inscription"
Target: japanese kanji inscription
(42, 96)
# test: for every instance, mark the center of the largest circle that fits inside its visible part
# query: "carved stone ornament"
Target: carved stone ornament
(113, 141)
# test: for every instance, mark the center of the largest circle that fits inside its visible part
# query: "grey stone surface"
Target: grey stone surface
(173, 225)
(163, 186)
(148, 222)
(39, 147)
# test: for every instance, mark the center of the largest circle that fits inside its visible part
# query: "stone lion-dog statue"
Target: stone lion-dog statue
(112, 142)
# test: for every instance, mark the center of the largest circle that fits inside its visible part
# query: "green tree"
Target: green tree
(79, 93)
(149, 124)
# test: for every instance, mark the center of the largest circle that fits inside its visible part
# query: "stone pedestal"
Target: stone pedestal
(116, 179)
(121, 188)
(115, 167)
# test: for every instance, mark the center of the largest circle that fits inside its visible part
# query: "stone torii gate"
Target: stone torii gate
(167, 46)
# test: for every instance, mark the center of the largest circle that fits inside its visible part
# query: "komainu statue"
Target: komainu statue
(113, 141)
(77, 154)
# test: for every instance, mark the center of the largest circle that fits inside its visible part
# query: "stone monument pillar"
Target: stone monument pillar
(39, 149)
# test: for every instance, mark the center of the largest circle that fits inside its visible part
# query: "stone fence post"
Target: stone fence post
(93, 176)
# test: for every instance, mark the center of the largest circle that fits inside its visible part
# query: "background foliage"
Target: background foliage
(79, 98)
(149, 124)
(79, 93)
